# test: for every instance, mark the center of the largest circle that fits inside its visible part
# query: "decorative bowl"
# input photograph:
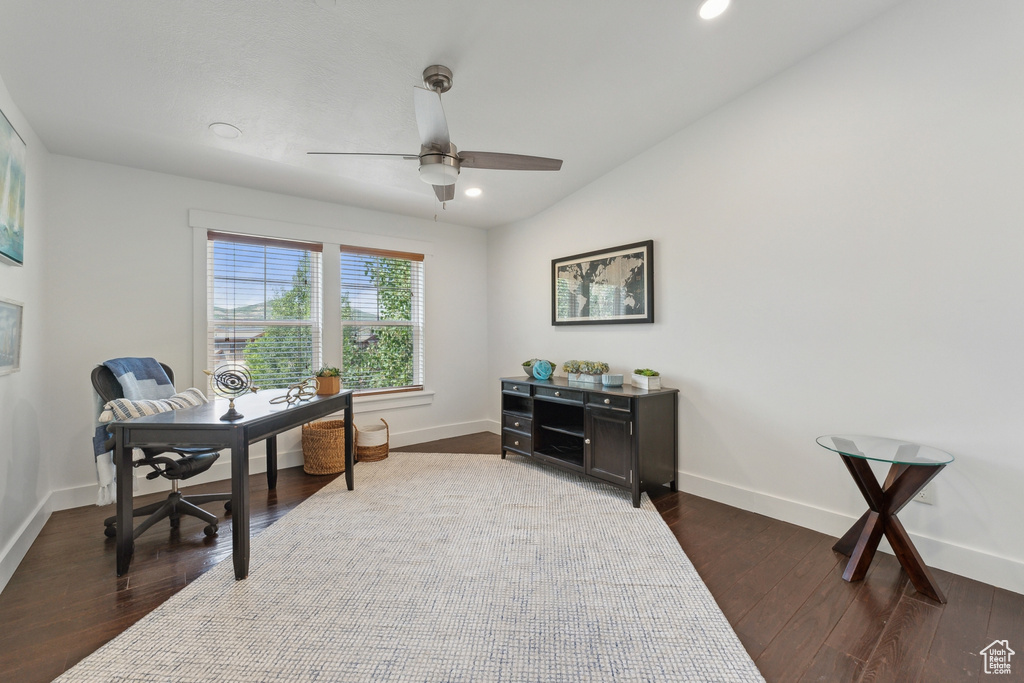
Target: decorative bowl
(610, 380)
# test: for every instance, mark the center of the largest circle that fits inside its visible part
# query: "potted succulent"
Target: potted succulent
(645, 378)
(328, 381)
(585, 370)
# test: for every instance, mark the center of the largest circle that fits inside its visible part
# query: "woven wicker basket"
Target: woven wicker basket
(323, 447)
(372, 442)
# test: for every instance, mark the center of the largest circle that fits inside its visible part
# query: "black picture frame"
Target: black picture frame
(624, 275)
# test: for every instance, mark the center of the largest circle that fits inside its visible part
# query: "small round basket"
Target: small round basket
(323, 447)
(372, 442)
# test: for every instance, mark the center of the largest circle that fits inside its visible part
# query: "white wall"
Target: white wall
(121, 260)
(24, 398)
(837, 251)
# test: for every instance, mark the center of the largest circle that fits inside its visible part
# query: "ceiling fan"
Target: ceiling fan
(439, 159)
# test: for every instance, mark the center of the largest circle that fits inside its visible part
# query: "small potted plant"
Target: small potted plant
(645, 378)
(585, 370)
(328, 381)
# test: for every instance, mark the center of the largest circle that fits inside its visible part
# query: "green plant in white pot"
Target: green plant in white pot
(645, 378)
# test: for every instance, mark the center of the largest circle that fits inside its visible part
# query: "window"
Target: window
(264, 307)
(381, 319)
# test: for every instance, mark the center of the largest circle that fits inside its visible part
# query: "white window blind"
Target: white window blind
(381, 319)
(264, 307)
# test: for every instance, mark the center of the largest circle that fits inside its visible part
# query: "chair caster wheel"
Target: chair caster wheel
(110, 531)
(210, 530)
(227, 506)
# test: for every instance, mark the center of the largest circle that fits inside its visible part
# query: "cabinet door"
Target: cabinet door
(609, 445)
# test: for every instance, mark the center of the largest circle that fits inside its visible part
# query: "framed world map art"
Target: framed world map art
(12, 194)
(608, 286)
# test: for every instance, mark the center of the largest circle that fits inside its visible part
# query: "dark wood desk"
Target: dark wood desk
(202, 426)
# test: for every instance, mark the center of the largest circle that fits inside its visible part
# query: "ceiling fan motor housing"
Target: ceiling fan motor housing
(438, 168)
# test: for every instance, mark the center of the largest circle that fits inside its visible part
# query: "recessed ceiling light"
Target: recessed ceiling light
(712, 8)
(474, 192)
(225, 130)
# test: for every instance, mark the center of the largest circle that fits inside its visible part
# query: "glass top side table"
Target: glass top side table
(912, 466)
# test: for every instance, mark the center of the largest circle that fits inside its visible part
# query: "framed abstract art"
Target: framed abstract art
(10, 336)
(12, 194)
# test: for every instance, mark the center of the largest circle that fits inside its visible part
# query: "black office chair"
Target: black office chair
(188, 463)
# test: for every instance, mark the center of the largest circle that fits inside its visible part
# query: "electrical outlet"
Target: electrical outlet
(926, 496)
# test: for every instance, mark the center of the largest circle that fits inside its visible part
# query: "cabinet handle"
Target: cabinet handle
(607, 401)
(558, 393)
(586, 441)
(515, 388)
(516, 443)
(517, 424)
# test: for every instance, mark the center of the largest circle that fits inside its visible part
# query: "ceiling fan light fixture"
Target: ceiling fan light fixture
(439, 169)
(710, 9)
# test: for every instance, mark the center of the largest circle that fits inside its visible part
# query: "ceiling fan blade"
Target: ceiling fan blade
(508, 162)
(430, 119)
(445, 193)
(369, 154)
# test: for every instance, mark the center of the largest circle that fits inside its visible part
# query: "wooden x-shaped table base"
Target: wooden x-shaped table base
(861, 541)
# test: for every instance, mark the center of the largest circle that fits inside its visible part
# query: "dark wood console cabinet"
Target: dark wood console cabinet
(625, 436)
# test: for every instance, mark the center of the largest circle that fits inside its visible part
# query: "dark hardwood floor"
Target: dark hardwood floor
(780, 586)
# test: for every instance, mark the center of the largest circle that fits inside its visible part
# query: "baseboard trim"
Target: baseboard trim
(14, 552)
(401, 439)
(973, 563)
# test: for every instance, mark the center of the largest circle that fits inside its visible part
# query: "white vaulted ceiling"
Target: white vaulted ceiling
(137, 83)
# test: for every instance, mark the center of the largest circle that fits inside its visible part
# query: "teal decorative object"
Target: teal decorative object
(542, 369)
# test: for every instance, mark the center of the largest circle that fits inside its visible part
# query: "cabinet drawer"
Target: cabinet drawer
(560, 394)
(517, 423)
(623, 403)
(517, 442)
(516, 387)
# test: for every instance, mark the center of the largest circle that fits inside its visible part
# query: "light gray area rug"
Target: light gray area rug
(442, 567)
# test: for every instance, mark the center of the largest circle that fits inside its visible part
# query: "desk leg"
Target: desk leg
(350, 448)
(125, 523)
(240, 503)
(272, 463)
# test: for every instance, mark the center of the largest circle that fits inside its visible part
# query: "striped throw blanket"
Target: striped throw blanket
(123, 409)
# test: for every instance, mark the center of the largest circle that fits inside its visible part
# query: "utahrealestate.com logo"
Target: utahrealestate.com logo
(997, 657)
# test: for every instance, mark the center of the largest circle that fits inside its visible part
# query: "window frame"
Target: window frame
(371, 235)
(415, 323)
(314, 322)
